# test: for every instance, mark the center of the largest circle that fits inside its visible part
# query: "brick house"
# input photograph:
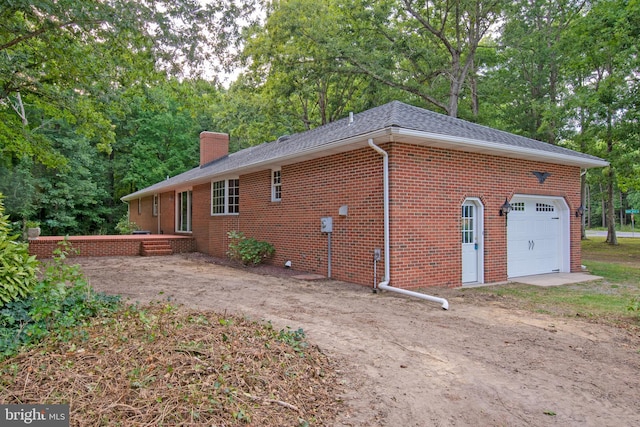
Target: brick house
(441, 220)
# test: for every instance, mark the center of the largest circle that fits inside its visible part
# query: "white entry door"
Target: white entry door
(534, 237)
(470, 246)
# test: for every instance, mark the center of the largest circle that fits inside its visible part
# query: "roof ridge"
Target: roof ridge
(394, 114)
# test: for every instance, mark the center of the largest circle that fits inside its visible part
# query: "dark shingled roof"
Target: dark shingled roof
(392, 115)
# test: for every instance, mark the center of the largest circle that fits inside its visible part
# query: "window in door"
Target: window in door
(467, 224)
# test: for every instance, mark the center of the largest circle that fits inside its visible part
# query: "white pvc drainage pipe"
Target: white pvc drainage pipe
(387, 259)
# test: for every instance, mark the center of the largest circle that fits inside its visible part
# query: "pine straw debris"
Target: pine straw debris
(159, 365)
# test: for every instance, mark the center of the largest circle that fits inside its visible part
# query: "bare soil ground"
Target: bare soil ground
(406, 362)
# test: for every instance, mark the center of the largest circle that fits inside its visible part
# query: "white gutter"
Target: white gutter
(387, 258)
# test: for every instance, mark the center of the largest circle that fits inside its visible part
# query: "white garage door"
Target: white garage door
(534, 236)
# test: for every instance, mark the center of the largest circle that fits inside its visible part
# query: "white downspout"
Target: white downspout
(387, 258)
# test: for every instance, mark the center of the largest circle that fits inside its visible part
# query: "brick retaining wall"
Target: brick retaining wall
(97, 246)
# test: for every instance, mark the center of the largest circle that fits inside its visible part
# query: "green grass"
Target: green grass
(626, 251)
(615, 273)
(626, 227)
(607, 300)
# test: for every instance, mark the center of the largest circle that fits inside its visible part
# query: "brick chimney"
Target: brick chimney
(213, 145)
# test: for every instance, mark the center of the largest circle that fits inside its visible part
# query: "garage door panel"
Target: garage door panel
(533, 237)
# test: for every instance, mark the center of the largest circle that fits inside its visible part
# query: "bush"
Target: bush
(124, 226)
(58, 303)
(247, 249)
(17, 269)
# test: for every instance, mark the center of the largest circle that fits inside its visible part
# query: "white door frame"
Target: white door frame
(479, 226)
(565, 227)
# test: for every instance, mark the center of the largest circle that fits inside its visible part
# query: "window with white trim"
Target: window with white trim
(154, 210)
(183, 206)
(225, 197)
(233, 196)
(276, 185)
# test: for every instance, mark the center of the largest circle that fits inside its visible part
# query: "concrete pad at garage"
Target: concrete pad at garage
(555, 279)
(549, 279)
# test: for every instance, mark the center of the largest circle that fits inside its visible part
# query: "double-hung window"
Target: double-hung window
(276, 185)
(183, 206)
(225, 197)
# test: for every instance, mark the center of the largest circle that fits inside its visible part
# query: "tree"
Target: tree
(427, 49)
(296, 81)
(605, 70)
(158, 136)
(59, 56)
(528, 85)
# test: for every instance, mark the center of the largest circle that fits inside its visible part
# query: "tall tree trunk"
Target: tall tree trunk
(473, 82)
(612, 239)
(603, 209)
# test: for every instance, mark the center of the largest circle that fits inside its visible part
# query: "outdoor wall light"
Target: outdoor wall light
(505, 208)
(580, 211)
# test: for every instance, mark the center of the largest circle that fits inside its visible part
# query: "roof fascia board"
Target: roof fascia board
(467, 144)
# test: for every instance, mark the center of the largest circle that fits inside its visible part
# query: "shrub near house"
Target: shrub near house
(17, 269)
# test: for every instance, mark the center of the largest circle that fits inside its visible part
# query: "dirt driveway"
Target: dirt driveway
(407, 362)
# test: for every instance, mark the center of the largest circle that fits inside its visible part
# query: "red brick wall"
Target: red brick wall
(210, 232)
(164, 223)
(219, 225)
(315, 189)
(145, 220)
(428, 186)
(201, 212)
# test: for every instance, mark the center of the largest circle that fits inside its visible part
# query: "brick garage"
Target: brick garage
(447, 182)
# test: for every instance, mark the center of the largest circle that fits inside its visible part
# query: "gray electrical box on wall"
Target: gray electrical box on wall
(326, 224)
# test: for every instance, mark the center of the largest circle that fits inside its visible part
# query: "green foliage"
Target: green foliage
(248, 250)
(159, 135)
(124, 226)
(59, 303)
(17, 268)
(634, 305)
(295, 339)
(31, 224)
(64, 58)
